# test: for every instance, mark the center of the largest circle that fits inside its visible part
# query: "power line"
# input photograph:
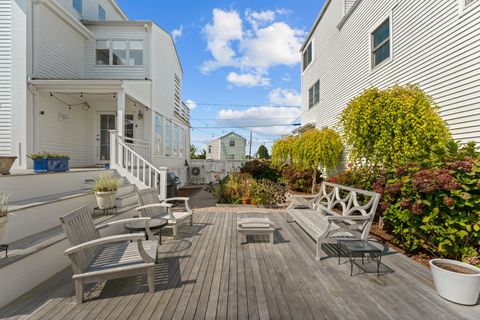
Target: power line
(250, 126)
(242, 105)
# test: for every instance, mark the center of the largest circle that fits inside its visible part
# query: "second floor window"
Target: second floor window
(381, 43)
(119, 52)
(101, 13)
(307, 56)
(314, 94)
(78, 5)
(209, 149)
(232, 143)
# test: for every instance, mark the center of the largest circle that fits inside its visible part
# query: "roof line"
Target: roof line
(317, 21)
(119, 10)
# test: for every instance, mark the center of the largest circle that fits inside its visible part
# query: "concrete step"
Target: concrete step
(126, 200)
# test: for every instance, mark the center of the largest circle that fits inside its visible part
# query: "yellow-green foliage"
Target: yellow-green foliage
(105, 183)
(314, 147)
(318, 147)
(282, 151)
(384, 126)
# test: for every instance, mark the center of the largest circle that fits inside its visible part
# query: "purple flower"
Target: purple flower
(463, 165)
(405, 203)
(418, 207)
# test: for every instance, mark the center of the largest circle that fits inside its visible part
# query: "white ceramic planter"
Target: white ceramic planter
(456, 287)
(106, 200)
(3, 223)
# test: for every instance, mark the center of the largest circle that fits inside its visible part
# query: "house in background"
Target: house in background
(354, 45)
(228, 147)
(73, 70)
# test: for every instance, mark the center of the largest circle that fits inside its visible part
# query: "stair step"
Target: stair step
(126, 200)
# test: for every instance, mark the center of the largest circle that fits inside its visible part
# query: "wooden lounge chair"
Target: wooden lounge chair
(95, 258)
(151, 206)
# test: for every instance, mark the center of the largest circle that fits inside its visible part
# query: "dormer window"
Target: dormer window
(119, 52)
(307, 56)
(78, 5)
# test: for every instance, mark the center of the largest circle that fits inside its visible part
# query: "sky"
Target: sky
(241, 62)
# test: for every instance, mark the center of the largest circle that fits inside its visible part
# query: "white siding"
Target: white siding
(5, 76)
(434, 45)
(90, 9)
(348, 5)
(93, 71)
(59, 48)
(221, 149)
(140, 90)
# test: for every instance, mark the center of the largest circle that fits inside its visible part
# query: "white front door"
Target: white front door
(108, 122)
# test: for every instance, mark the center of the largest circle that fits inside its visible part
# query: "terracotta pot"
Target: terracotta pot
(253, 201)
(6, 163)
(244, 200)
(106, 200)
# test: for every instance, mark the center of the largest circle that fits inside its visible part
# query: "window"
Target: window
(232, 143)
(231, 156)
(158, 135)
(119, 52)
(314, 94)
(175, 139)
(101, 13)
(78, 5)
(102, 52)
(381, 43)
(209, 149)
(181, 141)
(135, 52)
(168, 137)
(307, 56)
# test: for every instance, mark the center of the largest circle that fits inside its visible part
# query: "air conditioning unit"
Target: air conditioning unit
(196, 171)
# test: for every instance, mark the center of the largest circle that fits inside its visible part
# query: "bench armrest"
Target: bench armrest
(184, 199)
(123, 221)
(104, 240)
(304, 196)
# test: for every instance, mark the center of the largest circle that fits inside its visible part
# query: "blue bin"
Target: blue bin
(50, 165)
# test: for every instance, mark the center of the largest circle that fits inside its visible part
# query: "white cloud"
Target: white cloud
(263, 43)
(259, 18)
(247, 79)
(259, 119)
(191, 104)
(177, 33)
(225, 28)
(285, 97)
(287, 77)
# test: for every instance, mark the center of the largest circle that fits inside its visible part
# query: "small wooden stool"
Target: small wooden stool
(255, 227)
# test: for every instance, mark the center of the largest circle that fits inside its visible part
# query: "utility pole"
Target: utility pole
(250, 149)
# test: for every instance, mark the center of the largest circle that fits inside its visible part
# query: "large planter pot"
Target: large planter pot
(3, 223)
(50, 165)
(106, 200)
(6, 163)
(456, 281)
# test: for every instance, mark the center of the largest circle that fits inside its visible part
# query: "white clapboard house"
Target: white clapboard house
(354, 45)
(74, 70)
(230, 146)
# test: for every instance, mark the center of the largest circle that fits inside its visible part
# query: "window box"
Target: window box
(41, 165)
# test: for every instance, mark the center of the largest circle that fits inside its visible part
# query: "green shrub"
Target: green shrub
(298, 179)
(44, 154)
(381, 127)
(269, 193)
(261, 169)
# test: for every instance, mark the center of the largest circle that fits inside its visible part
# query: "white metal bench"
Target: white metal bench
(95, 258)
(324, 224)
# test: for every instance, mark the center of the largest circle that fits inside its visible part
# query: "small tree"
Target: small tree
(282, 151)
(193, 151)
(381, 127)
(263, 152)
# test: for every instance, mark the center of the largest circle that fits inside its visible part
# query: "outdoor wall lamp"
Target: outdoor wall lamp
(140, 115)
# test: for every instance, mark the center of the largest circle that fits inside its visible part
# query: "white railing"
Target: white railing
(142, 147)
(134, 167)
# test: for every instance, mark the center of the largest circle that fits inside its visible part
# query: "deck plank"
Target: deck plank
(220, 276)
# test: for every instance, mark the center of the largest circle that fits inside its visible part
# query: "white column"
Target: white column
(121, 113)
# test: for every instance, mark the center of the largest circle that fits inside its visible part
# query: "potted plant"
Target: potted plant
(456, 281)
(49, 162)
(6, 163)
(3, 212)
(106, 191)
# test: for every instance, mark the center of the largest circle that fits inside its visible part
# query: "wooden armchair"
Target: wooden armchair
(151, 206)
(95, 258)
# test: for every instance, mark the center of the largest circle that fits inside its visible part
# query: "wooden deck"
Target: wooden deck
(211, 274)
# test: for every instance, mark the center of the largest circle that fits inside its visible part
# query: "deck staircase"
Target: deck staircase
(130, 158)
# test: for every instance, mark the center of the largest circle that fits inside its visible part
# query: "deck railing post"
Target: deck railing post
(113, 147)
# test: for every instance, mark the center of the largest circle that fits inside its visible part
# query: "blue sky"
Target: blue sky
(236, 53)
